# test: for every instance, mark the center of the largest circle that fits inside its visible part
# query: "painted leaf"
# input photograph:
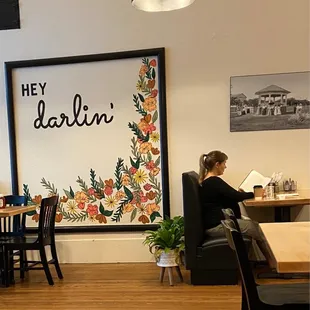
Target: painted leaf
(92, 175)
(158, 198)
(135, 128)
(132, 162)
(101, 183)
(31, 213)
(154, 215)
(100, 195)
(147, 137)
(118, 175)
(153, 74)
(133, 214)
(157, 162)
(128, 193)
(135, 164)
(155, 117)
(107, 212)
(71, 192)
(68, 194)
(149, 156)
(101, 208)
(138, 163)
(141, 97)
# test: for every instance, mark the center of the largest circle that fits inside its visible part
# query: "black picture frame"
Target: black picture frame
(160, 54)
(9, 14)
(272, 101)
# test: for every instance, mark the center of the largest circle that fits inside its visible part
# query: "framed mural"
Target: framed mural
(270, 102)
(91, 129)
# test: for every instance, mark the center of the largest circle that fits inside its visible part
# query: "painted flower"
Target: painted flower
(145, 147)
(152, 207)
(154, 136)
(154, 93)
(143, 198)
(110, 202)
(139, 86)
(128, 208)
(92, 210)
(149, 104)
(91, 191)
(149, 128)
(147, 118)
(155, 171)
(92, 218)
(37, 199)
(143, 125)
(153, 63)
(147, 186)
(140, 176)
(109, 182)
(119, 195)
(71, 206)
(80, 197)
(155, 151)
(108, 190)
(144, 219)
(99, 195)
(150, 165)
(36, 217)
(101, 218)
(141, 208)
(151, 195)
(125, 180)
(133, 170)
(81, 205)
(58, 217)
(63, 199)
(138, 197)
(151, 84)
(143, 70)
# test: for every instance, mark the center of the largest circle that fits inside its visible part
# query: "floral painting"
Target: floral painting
(135, 188)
